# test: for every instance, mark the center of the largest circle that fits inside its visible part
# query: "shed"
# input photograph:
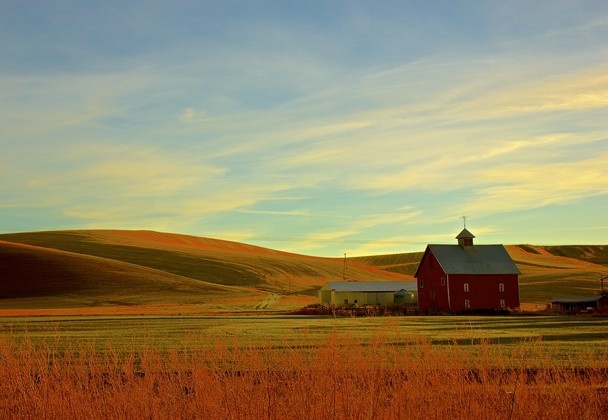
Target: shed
(578, 305)
(360, 293)
(467, 277)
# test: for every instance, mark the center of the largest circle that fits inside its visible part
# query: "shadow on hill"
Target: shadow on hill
(27, 274)
(186, 265)
(597, 254)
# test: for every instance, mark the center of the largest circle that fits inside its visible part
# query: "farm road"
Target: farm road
(267, 302)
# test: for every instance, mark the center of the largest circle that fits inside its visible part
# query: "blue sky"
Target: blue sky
(317, 127)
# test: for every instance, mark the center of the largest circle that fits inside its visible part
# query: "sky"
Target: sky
(316, 127)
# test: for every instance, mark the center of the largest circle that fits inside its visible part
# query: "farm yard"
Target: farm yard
(303, 367)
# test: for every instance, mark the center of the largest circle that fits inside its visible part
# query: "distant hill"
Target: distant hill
(35, 277)
(141, 255)
(120, 267)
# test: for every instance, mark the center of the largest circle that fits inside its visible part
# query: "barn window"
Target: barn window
(421, 283)
(501, 287)
(467, 303)
(502, 303)
(466, 287)
(443, 281)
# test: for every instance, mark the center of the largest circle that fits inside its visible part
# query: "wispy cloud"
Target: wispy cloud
(190, 115)
(320, 129)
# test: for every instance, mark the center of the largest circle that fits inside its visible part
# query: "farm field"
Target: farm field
(563, 335)
(302, 367)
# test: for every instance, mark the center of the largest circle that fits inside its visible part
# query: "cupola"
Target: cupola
(465, 238)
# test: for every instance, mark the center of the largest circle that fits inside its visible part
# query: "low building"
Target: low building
(597, 304)
(361, 293)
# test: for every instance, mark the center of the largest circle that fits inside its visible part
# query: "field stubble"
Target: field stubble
(387, 371)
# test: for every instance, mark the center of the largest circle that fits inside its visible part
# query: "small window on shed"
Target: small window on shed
(466, 287)
(467, 303)
(501, 287)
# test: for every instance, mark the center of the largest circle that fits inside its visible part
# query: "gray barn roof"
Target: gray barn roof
(474, 259)
(370, 286)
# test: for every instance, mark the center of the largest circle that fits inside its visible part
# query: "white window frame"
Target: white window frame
(502, 303)
(466, 287)
(467, 303)
(501, 287)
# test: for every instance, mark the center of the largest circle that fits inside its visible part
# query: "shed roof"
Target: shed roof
(474, 259)
(579, 300)
(370, 286)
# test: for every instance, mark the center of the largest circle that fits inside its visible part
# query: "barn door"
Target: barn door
(432, 299)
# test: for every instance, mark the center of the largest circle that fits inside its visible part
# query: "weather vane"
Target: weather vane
(464, 220)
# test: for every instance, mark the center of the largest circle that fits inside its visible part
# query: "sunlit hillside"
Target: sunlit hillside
(35, 277)
(117, 267)
(240, 269)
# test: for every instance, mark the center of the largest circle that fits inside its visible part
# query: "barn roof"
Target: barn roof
(474, 259)
(370, 286)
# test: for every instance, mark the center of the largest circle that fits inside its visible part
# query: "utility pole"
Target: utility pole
(602, 291)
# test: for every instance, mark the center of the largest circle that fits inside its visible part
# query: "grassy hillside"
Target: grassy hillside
(105, 267)
(208, 261)
(568, 271)
(34, 277)
(397, 263)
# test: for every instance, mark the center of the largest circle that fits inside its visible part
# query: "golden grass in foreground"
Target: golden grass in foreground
(340, 379)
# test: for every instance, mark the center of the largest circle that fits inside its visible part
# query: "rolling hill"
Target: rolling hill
(130, 258)
(118, 267)
(34, 277)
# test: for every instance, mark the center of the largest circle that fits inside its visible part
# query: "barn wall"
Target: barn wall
(483, 291)
(432, 291)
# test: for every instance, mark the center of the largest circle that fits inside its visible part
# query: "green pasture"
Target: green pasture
(561, 338)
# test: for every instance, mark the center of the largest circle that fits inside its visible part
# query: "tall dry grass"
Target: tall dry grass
(343, 378)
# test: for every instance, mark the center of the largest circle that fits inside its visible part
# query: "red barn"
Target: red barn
(467, 277)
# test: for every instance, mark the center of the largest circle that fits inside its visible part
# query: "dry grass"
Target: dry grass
(340, 379)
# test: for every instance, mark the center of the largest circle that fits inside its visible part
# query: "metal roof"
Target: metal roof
(578, 300)
(474, 259)
(370, 286)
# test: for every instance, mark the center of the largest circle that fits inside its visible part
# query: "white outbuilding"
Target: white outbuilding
(360, 293)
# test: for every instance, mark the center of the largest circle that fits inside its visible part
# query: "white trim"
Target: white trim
(447, 282)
